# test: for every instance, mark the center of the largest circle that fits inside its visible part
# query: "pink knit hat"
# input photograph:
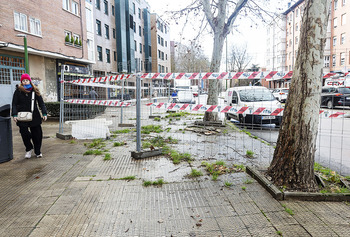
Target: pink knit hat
(25, 76)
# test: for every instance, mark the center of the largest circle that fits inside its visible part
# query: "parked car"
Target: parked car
(185, 97)
(125, 97)
(252, 97)
(281, 94)
(335, 96)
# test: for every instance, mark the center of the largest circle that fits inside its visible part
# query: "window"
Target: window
(98, 27)
(69, 34)
(89, 23)
(76, 38)
(297, 13)
(65, 5)
(335, 4)
(296, 40)
(99, 53)
(296, 27)
(335, 22)
(135, 45)
(106, 7)
(342, 39)
(112, 10)
(159, 68)
(326, 61)
(162, 55)
(75, 8)
(166, 56)
(159, 54)
(342, 59)
(115, 55)
(113, 33)
(98, 4)
(108, 56)
(140, 48)
(139, 13)
(90, 46)
(150, 51)
(165, 29)
(107, 31)
(334, 40)
(134, 8)
(343, 19)
(344, 1)
(35, 26)
(140, 31)
(162, 41)
(20, 21)
(158, 39)
(134, 27)
(333, 60)
(166, 44)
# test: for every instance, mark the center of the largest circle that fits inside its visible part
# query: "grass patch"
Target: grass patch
(151, 128)
(73, 141)
(178, 114)
(219, 168)
(228, 184)
(107, 157)
(92, 152)
(250, 154)
(244, 188)
(158, 182)
(156, 119)
(96, 143)
(119, 143)
(126, 130)
(128, 178)
(195, 173)
(248, 181)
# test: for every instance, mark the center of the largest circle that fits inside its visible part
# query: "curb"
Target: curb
(302, 196)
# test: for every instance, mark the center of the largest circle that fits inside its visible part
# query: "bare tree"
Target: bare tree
(293, 162)
(220, 22)
(190, 58)
(238, 59)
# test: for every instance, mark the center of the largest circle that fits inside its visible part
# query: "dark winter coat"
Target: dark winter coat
(21, 102)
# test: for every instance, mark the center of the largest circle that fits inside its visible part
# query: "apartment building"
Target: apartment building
(290, 23)
(105, 37)
(340, 43)
(160, 37)
(56, 34)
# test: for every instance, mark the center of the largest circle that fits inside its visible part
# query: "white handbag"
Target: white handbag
(26, 116)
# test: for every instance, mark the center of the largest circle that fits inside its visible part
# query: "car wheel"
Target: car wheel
(330, 104)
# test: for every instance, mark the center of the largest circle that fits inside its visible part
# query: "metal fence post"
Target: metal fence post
(61, 100)
(122, 99)
(138, 113)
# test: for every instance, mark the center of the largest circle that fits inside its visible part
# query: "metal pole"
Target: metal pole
(226, 59)
(26, 54)
(138, 113)
(150, 98)
(122, 99)
(61, 100)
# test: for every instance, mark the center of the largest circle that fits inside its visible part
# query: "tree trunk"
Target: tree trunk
(219, 40)
(293, 161)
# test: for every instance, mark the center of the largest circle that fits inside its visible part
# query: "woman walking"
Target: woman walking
(22, 102)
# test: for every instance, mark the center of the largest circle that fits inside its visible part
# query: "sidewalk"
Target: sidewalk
(68, 194)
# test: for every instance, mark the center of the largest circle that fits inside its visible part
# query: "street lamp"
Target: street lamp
(25, 51)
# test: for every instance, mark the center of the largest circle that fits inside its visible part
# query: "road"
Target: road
(332, 144)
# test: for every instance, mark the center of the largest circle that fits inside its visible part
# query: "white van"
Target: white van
(253, 97)
(185, 97)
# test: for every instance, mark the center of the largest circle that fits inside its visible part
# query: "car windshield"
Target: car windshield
(344, 90)
(285, 90)
(256, 95)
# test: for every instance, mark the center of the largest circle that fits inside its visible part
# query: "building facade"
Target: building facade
(92, 38)
(56, 34)
(160, 37)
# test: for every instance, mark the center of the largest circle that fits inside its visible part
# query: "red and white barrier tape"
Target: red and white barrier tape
(270, 75)
(234, 109)
(112, 103)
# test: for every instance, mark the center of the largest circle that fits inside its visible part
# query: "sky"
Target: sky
(245, 32)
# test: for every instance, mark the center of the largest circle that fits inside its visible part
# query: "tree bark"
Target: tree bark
(293, 161)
